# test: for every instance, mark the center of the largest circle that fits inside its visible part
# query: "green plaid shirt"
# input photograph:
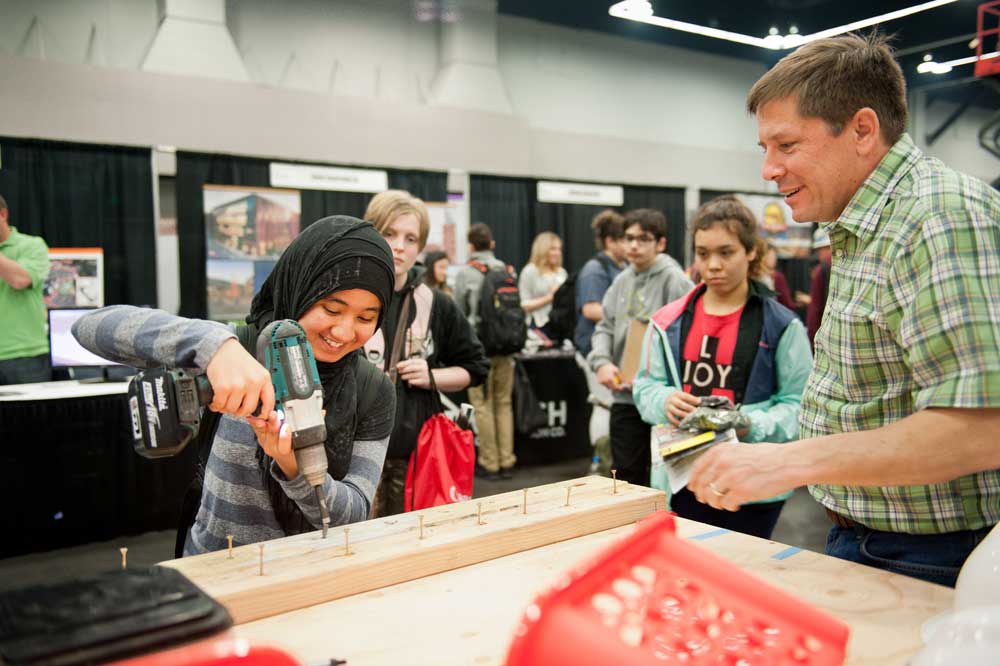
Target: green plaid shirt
(911, 322)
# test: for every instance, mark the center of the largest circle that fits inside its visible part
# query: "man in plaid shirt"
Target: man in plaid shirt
(900, 417)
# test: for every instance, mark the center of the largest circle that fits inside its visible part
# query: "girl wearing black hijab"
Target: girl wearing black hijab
(336, 280)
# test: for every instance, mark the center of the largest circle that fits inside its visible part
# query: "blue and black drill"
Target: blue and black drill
(166, 404)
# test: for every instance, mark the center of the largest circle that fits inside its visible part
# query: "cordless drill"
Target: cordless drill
(166, 404)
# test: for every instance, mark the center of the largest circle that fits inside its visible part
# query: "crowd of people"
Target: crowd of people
(883, 401)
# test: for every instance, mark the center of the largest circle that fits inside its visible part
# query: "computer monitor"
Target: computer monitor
(64, 350)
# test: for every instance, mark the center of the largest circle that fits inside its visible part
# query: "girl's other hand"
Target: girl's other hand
(679, 405)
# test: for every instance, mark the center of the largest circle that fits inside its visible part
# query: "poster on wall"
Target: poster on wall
(246, 230)
(449, 231)
(76, 278)
(789, 238)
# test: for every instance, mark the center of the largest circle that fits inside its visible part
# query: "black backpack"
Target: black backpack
(564, 315)
(501, 328)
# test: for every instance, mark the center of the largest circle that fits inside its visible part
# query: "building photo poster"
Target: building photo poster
(246, 230)
(76, 278)
(789, 238)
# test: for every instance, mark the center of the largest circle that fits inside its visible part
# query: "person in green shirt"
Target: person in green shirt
(900, 413)
(24, 265)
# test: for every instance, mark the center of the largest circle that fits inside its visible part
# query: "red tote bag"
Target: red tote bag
(442, 464)
(441, 467)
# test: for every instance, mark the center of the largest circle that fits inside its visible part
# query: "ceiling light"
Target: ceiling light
(930, 67)
(641, 10)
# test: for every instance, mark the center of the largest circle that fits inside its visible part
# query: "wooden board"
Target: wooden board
(304, 570)
(468, 615)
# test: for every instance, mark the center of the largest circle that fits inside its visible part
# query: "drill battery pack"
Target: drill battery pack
(104, 618)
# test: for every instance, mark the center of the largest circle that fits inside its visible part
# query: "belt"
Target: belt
(837, 519)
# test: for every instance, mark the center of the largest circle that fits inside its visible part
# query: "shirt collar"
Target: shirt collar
(12, 236)
(862, 214)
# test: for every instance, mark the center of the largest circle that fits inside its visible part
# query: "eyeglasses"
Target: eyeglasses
(645, 239)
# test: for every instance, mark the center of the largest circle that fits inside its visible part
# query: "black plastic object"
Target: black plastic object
(105, 618)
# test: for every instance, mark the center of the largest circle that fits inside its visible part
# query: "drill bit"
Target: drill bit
(324, 514)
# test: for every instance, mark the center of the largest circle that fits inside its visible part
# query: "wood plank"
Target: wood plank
(468, 615)
(304, 570)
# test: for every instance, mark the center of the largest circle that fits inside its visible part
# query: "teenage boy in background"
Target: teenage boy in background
(597, 275)
(492, 400)
(651, 280)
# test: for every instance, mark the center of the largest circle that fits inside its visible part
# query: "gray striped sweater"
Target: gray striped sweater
(235, 501)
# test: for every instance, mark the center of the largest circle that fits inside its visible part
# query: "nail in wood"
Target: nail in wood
(124, 552)
(614, 482)
(229, 538)
(479, 513)
(568, 489)
(421, 527)
(347, 541)
(261, 547)
(524, 508)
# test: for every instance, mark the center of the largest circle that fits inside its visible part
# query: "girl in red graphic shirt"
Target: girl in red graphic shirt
(727, 337)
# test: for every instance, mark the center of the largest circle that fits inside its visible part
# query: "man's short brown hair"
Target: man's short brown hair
(835, 77)
(480, 237)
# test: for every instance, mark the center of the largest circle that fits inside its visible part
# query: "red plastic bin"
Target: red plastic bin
(655, 598)
(225, 650)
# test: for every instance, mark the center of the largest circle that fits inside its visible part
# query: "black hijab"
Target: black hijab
(332, 254)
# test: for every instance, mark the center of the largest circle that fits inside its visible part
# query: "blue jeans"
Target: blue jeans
(935, 558)
(26, 370)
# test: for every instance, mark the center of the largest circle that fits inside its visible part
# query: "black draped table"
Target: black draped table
(70, 475)
(561, 387)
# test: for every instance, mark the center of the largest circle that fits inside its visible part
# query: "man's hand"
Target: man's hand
(679, 405)
(608, 375)
(730, 475)
(239, 381)
(415, 372)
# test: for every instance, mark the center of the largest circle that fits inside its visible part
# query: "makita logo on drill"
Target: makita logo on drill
(161, 396)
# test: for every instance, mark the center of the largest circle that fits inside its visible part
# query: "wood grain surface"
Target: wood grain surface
(305, 570)
(468, 615)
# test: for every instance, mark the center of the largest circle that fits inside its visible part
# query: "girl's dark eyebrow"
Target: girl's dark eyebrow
(347, 305)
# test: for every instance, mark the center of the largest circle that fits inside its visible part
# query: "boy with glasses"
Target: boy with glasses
(651, 280)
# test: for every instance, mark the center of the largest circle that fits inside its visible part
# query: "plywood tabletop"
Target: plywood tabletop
(467, 615)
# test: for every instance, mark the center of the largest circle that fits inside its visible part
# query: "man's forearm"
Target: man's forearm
(13, 273)
(931, 446)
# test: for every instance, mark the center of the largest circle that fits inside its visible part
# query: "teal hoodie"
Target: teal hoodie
(773, 419)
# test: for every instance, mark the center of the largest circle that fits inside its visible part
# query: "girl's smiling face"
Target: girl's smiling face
(340, 323)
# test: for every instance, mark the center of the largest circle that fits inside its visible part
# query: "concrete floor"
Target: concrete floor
(802, 524)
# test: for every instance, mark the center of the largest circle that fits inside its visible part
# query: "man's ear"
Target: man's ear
(493, 245)
(661, 245)
(866, 130)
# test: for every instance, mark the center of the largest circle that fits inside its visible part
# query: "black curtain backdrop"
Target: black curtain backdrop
(511, 209)
(85, 195)
(507, 205)
(195, 170)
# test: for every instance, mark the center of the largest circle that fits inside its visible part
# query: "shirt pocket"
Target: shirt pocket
(862, 351)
